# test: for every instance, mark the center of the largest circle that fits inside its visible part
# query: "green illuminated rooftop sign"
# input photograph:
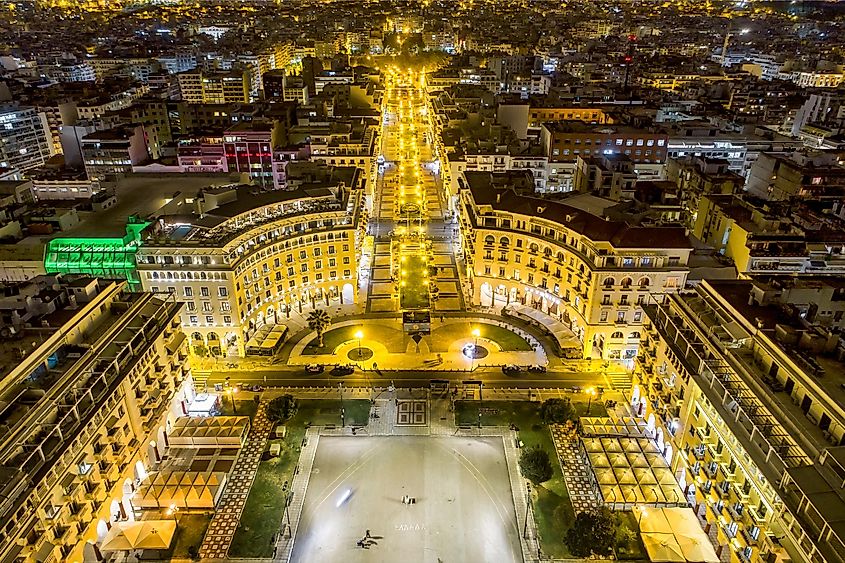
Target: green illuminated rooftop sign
(106, 257)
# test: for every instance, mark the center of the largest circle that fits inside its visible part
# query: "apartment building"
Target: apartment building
(609, 175)
(745, 398)
(565, 141)
(201, 87)
(243, 259)
(202, 155)
(248, 148)
(25, 139)
(766, 238)
(585, 274)
(113, 152)
(802, 174)
(698, 176)
(344, 142)
(84, 418)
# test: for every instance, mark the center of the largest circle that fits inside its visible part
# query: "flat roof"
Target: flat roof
(142, 195)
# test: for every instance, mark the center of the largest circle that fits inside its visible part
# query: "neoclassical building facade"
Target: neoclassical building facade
(575, 268)
(242, 260)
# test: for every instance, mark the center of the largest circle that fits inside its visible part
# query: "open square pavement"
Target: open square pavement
(463, 512)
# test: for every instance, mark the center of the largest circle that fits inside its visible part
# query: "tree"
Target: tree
(592, 532)
(557, 411)
(535, 465)
(281, 408)
(318, 320)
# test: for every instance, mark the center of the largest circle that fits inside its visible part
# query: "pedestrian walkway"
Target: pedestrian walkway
(385, 409)
(284, 543)
(228, 512)
(576, 474)
(530, 538)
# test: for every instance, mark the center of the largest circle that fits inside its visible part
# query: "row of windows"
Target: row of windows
(209, 320)
(618, 142)
(207, 307)
(318, 264)
(222, 291)
(289, 245)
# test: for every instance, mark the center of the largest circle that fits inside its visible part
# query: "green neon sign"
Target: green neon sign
(105, 257)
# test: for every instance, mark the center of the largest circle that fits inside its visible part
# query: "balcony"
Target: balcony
(67, 535)
(81, 512)
(746, 536)
(97, 493)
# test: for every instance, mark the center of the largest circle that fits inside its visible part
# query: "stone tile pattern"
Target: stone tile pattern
(222, 528)
(576, 473)
(413, 412)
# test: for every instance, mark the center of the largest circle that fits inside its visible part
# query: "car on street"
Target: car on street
(315, 368)
(511, 369)
(343, 370)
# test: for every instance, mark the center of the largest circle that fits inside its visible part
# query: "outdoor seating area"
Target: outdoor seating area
(600, 426)
(180, 489)
(563, 336)
(674, 535)
(146, 534)
(629, 472)
(211, 431)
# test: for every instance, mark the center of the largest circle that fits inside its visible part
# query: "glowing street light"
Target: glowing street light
(359, 335)
(476, 333)
(591, 391)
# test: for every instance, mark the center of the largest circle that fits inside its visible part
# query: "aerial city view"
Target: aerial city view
(422, 281)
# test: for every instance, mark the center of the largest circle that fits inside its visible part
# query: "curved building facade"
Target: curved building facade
(246, 260)
(574, 268)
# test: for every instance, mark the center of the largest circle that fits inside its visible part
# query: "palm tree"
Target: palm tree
(318, 320)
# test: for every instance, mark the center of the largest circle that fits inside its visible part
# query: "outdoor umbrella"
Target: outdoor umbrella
(631, 493)
(697, 547)
(662, 548)
(147, 534)
(115, 540)
(631, 445)
(625, 476)
(638, 460)
(155, 534)
(618, 460)
(593, 445)
(611, 494)
(605, 476)
(644, 476)
(653, 521)
(611, 444)
(599, 460)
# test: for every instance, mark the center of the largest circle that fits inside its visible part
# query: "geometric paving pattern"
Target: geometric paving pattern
(222, 528)
(411, 412)
(576, 474)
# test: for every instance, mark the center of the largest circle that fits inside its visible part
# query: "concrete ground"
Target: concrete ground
(464, 507)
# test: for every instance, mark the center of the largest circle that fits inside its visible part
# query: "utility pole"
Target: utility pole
(527, 511)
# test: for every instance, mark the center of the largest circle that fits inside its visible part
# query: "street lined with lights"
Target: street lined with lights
(405, 145)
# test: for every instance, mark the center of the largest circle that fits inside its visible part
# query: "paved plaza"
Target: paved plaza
(464, 508)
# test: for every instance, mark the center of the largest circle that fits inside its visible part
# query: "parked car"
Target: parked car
(343, 370)
(511, 369)
(537, 369)
(315, 368)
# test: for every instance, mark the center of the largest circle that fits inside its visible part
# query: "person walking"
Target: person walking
(367, 535)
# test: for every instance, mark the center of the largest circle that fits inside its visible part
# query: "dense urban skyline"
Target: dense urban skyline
(437, 281)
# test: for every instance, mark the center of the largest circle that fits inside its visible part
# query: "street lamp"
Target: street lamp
(476, 333)
(359, 335)
(591, 391)
(231, 393)
(527, 510)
